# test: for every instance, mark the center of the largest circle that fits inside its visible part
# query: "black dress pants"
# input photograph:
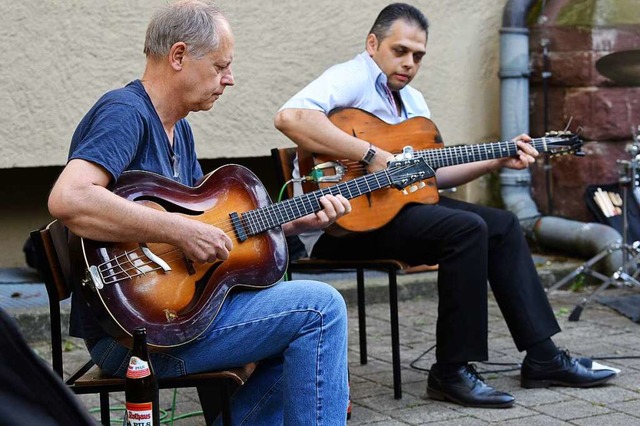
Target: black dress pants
(472, 245)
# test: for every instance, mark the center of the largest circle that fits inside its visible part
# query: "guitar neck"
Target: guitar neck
(451, 156)
(259, 220)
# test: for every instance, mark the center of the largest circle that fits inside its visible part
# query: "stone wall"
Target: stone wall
(602, 110)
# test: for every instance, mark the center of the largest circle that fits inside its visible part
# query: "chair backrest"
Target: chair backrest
(283, 164)
(52, 251)
(283, 167)
(53, 264)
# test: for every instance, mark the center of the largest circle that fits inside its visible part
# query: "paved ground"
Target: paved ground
(601, 332)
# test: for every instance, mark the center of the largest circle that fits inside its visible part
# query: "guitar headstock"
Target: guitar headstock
(409, 172)
(562, 142)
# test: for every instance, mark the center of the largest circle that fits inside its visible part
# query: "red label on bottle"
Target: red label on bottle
(139, 413)
(138, 368)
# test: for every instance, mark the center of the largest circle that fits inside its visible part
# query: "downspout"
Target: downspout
(583, 239)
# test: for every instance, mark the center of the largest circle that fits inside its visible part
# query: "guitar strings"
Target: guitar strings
(123, 263)
(131, 263)
(439, 157)
(132, 269)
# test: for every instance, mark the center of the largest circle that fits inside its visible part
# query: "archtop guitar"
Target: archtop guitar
(132, 284)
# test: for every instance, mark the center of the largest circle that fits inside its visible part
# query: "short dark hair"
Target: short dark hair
(392, 13)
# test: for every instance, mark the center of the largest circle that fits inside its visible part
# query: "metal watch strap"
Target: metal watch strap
(368, 157)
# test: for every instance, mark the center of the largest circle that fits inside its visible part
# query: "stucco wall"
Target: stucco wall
(64, 54)
(61, 55)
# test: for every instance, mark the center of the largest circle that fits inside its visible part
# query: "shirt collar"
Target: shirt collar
(376, 73)
(380, 79)
(374, 70)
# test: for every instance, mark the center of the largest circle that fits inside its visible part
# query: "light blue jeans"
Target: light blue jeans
(298, 332)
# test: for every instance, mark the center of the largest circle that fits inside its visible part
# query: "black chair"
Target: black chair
(52, 256)
(283, 162)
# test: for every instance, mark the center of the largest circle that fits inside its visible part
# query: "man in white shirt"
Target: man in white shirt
(472, 244)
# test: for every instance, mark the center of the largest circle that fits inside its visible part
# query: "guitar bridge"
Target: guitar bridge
(318, 175)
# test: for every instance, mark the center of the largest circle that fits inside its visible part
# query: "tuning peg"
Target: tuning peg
(413, 188)
(558, 133)
(421, 185)
(404, 191)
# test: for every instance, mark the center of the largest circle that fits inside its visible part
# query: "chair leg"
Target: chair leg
(362, 318)
(225, 401)
(105, 413)
(215, 400)
(395, 333)
(56, 336)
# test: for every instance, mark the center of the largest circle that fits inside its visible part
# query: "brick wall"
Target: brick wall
(604, 110)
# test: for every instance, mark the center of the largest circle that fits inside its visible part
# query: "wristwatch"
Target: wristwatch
(368, 157)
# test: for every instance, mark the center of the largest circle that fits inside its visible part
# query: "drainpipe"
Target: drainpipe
(583, 239)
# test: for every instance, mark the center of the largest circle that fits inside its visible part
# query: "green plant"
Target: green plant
(67, 346)
(578, 284)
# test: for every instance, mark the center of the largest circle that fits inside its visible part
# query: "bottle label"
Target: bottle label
(138, 368)
(139, 413)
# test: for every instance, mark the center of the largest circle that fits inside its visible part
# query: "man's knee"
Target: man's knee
(474, 225)
(322, 296)
(511, 223)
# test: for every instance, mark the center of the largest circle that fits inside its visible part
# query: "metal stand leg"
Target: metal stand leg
(585, 268)
(623, 276)
(627, 273)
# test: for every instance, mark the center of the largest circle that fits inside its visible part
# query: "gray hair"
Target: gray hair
(194, 22)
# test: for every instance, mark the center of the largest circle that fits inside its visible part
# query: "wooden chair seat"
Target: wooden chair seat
(116, 384)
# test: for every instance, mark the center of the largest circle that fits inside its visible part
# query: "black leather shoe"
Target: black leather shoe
(562, 370)
(464, 386)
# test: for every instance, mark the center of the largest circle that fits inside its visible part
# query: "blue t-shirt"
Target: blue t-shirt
(122, 131)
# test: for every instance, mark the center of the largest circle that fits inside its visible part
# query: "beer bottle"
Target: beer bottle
(141, 386)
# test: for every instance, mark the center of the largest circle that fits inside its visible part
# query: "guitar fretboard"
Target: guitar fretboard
(259, 220)
(451, 156)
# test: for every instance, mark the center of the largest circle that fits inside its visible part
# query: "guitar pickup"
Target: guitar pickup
(317, 173)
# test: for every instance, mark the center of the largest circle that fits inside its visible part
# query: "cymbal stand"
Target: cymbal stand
(628, 272)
